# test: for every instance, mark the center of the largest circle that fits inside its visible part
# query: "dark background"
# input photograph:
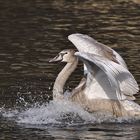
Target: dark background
(33, 31)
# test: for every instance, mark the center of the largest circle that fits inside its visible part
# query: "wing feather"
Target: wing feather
(89, 60)
(85, 43)
(106, 57)
(119, 76)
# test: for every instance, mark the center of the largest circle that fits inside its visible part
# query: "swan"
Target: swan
(106, 86)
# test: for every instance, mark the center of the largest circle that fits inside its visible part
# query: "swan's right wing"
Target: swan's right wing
(112, 79)
(85, 43)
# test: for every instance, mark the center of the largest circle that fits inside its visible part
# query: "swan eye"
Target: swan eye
(64, 53)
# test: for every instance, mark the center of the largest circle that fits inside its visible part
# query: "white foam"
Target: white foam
(55, 112)
(61, 112)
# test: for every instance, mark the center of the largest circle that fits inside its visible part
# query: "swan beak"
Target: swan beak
(57, 58)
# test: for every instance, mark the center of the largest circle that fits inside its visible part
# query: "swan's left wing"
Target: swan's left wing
(86, 44)
(119, 80)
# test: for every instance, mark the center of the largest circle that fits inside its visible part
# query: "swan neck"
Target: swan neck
(62, 78)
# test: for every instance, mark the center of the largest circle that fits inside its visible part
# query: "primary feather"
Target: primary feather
(109, 61)
(84, 43)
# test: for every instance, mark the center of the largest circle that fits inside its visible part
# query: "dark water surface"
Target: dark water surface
(33, 31)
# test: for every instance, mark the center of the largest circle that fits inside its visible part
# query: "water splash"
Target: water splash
(59, 113)
(55, 112)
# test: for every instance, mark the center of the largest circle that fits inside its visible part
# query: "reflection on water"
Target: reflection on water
(33, 31)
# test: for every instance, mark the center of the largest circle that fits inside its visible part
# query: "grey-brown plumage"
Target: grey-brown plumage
(107, 85)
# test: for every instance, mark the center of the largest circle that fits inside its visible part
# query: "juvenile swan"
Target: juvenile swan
(107, 84)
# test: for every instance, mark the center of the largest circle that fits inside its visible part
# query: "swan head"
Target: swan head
(67, 55)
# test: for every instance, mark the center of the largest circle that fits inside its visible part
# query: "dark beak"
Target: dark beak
(57, 58)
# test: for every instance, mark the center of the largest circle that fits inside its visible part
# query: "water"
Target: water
(32, 32)
(64, 120)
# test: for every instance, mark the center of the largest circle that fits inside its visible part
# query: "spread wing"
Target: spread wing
(105, 60)
(84, 43)
(106, 78)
